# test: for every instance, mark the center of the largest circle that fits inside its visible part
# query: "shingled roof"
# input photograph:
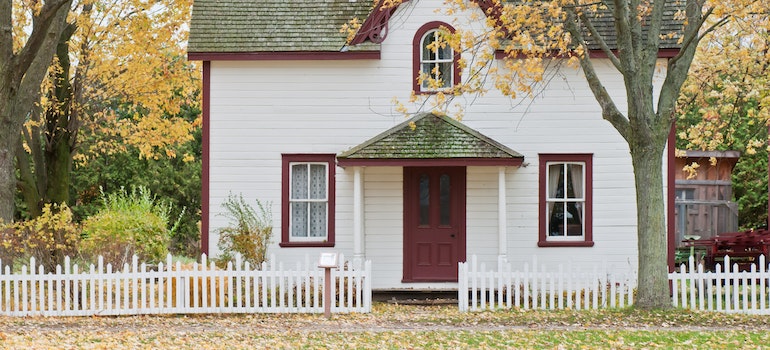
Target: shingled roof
(273, 25)
(428, 136)
(605, 25)
(244, 26)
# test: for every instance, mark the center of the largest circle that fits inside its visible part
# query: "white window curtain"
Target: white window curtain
(554, 174)
(318, 209)
(577, 175)
(308, 200)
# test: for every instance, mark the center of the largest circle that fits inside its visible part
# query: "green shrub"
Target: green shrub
(48, 238)
(130, 223)
(248, 233)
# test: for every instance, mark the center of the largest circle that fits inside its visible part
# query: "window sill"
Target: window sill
(565, 243)
(305, 244)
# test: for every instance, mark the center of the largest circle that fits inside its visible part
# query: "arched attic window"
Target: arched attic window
(435, 62)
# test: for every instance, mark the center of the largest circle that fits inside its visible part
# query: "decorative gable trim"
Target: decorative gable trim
(375, 27)
(430, 140)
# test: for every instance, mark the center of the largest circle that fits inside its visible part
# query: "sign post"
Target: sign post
(328, 261)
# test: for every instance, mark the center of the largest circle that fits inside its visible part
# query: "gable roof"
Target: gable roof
(219, 26)
(430, 139)
(313, 26)
(249, 26)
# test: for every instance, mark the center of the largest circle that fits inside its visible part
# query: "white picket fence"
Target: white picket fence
(727, 289)
(182, 289)
(536, 288)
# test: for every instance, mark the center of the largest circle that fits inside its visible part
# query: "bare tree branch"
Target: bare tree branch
(41, 25)
(600, 40)
(610, 111)
(680, 64)
(623, 29)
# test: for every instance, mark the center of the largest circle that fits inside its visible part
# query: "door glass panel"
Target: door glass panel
(445, 204)
(424, 200)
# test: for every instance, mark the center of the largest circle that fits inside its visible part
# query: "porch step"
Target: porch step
(416, 297)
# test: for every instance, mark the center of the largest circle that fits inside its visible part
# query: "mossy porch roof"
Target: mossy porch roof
(430, 137)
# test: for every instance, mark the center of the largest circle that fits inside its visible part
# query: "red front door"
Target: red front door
(434, 223)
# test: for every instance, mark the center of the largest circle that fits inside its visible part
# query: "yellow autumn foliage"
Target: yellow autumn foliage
(131, 76)
(48, 238)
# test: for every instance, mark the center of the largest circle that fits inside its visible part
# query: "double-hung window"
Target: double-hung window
(565, 200)
(308, 200)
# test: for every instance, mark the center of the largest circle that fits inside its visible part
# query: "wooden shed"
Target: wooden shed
(704, 203)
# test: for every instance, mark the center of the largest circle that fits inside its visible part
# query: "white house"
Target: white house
(294, 116)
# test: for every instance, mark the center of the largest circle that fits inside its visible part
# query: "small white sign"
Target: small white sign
(328, 260)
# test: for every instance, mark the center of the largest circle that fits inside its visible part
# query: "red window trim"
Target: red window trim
(285, 180)
(417, 53)
(542, 191)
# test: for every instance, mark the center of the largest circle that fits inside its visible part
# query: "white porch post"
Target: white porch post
(502, 228)
(358, 214)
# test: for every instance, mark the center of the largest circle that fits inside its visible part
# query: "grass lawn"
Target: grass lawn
(396, 327)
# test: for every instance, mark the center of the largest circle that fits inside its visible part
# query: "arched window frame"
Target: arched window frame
(417, 56)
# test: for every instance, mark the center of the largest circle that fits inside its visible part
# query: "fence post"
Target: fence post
(462, 286)
(327, 261)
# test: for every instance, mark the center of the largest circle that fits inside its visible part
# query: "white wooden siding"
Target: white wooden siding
(262, 109)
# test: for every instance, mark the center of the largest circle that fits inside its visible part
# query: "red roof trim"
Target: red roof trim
(343, 162)
(284, 56)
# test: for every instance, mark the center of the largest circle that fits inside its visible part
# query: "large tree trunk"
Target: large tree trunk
(20, 77)
(8, 141)
(61, 126)
(45, 165)
(652, 234)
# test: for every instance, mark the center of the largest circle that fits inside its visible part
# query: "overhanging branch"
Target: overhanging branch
(600, 40)
(610, 111)
(41, 25)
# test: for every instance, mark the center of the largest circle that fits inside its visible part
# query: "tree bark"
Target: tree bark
(60, 133)
(653, 289)
(644, 128)
(20, 77)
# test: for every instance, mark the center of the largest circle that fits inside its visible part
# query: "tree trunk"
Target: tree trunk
(652, 234)
(9, 137)
(20, 77)
(58, 148)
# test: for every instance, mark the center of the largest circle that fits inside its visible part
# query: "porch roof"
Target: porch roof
(430, 140)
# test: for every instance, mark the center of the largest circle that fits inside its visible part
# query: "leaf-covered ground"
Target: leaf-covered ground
(396, 327)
